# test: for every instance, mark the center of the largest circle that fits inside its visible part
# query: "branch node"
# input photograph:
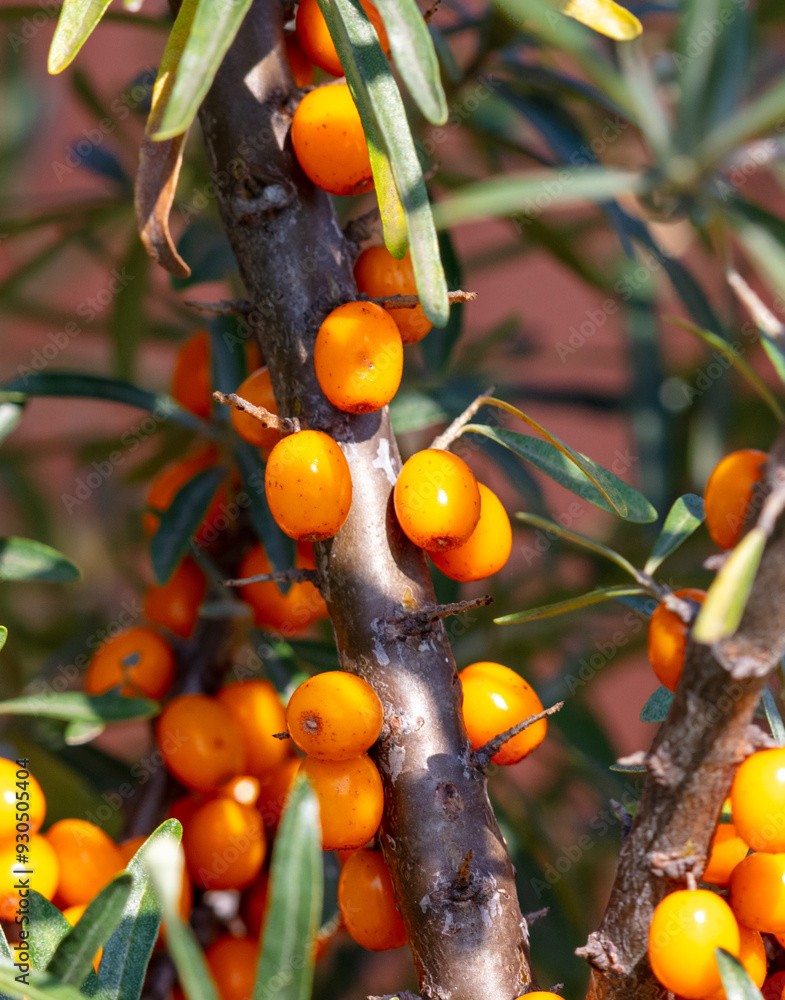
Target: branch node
(284, 425)
(420, 621)
(446, 438)
(281, 736)
(600, 952)
(674, 865)
(482, 757)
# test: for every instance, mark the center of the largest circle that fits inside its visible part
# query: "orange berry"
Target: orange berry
(437, 500)
(757, 892)
(729, 493)
(308, 485)
(224, 844)
(44, 876)
(257, 389)
(351, 799)
(73, 914)
(541, 995)
(686, 928)
(758, 801)
(20, 795)
(752, 955)
(87, 856)
(244, 789)
(668, 640)
(192, 382)
(329, 141)
(171, 479)
(379, 275)
(274, 788)
(727, 851)
(366, 899)
(258, 713)
(299, 63)
(255, 903)
(314, 35)
(136, 658)
(175, 604)
(488, 547)
(232, 962)
(285, 613)
(495, 699)
(334, 716)
(359, 357)
(128, 848)
(199, 741)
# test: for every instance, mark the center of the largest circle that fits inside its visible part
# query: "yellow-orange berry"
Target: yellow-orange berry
(257, 389)
(351, 799)
(334, 716)
(258, 713)
(752, 955)
(138, 659)
(308, 485)
(541, 995)
(329, 141)
(358, 357)
(668, 639)
(42, 859)
(232, 962)
(299, 63)
(366, 899)
(175, 604)
(21, 800)
(758, 800)
(192, 382)
(757, 892)
(200, 742)
(73, 914)
(686, 928)
(495, 699)
(274, 788)
(727, 851)
(254, 905)
(437, 500)
(729, 493)
(488, 547)
(315, 38)
(88, 859)
(288, 613)
(379, 275)
(224, 844)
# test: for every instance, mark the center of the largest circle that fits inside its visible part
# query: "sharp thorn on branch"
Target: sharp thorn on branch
(283, 576)
(422, 620)
(412, 301)
(284, 425)
(482, 757)
(224, 307)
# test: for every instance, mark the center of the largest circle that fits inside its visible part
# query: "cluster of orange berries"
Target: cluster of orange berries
(689, 924)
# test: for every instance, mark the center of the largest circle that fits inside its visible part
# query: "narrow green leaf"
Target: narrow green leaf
(573, 604)
(684, 517)
(727, 597)
(10, 416)
(181, 519)
(40, 987)
(3, 638)
(773, 716)
(77, 21)
(382, 112)
(77, 732)
(629, 768)
(735, 978)
(27, 559)
(657, 707)
(279, 547)
(78, 707)
(550, 527)
(414, 56)
(563, 470)
(212, 32)
(48, 927)
(760, 115)
(72, 962)
(295, 901)
(413, 410)
(127, 316)
(391, 210)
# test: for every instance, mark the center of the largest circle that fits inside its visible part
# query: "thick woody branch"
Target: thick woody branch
(284, 425)
(483, 756)
(708, 732)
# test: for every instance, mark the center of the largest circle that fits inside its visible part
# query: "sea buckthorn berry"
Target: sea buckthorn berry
(243, 789)
(334, 716)
(42, 859)
(232, 962)
(359, 357)
(752, 955)
(495, 699)
(274, 788)
(200, 742)
(437, 500)
(541, 995)
(73, 914)
(258, 713)
(329, 141)
(175, 604)
(314, 35)
(257, 389)
(727, 851)
(729, 494)
(87, 856)
(757, 892)
(379, 275)
(488, 547)
(171, 479)
(299, 63)
(19, 793)
(308, 485)
(288, 613)
(192, 382)
(686, 928)
(366, 899)
(668, 640)
(224, 844)
(351, 799)
(138, 659)
(758, 801)
(255, 902)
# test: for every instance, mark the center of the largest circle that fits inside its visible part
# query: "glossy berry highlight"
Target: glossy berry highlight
(329, 141)
(729, 493)
(758, 800)
(351, 799)
(668, 639)
(488, 547)
(20, 796)
(334, 716)
(366, 899)
(224, 844)
(437, 500)
(495, 699)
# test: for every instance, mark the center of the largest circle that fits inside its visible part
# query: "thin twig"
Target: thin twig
(428, 14)
(224, 307)
(483, 756)
(535, 915)
(758, 309)
(446, 438)
(284, 425)
(284, 576)
(412, 301)
(415, 623)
